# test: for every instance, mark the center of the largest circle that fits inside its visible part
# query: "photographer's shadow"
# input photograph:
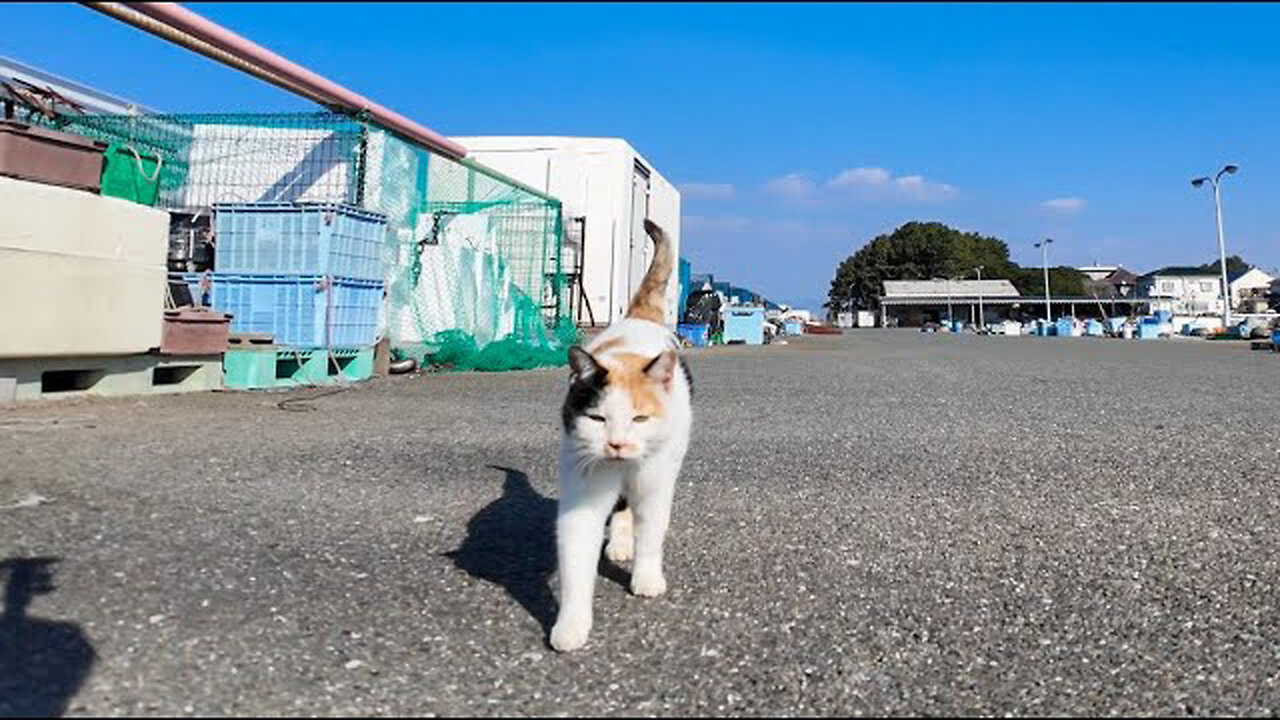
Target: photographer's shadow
(43, 663)
(512, 542)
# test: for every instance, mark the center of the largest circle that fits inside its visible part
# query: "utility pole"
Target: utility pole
(1222, 245)
(1044, 262)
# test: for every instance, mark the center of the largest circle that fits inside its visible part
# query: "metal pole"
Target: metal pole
(1044, 254)
(982, 316)
(1222, 256)
(949, 313)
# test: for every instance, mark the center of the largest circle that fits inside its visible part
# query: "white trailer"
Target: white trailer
(607, 190)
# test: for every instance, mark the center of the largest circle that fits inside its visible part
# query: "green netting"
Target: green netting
(473, 260)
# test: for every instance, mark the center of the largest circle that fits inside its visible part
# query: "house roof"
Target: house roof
(1179, 271)
(1121, 276)
(1236, 275)
(941, 287)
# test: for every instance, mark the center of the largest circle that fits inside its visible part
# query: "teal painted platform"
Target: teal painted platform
(257, 368)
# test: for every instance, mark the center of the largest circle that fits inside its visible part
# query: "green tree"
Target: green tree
(924, 250)
(1235, 263)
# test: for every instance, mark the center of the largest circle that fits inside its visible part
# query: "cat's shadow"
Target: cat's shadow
(512, 542)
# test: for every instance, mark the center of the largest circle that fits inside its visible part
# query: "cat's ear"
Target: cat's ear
(582, 365)
(662, 369)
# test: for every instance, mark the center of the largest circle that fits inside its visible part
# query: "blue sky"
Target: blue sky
(799, 132)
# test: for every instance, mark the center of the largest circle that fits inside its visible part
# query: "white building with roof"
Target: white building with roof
(608, 190)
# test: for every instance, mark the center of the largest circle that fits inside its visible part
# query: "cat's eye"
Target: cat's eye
(640, 418)
(597, 418)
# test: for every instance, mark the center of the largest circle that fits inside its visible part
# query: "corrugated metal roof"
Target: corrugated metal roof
(94, 101)
(942, 288)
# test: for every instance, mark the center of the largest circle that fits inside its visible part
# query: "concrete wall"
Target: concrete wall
(80, 274)
(592, 177)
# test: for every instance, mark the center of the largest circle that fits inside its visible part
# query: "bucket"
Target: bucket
(131, 175)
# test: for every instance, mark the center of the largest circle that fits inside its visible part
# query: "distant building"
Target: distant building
(1182, 291)
(1248, 288)
(912, 302)
(1117, 283)
(1098, 272)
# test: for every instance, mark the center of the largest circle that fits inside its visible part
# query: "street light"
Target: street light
(1044, 261)
(1222, 245)
(982, 323)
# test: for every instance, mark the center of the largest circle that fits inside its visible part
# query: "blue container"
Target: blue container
(695, 333)
(957, 326)
(686, 284)
(1064, 326)
(302, 311)
(1163, 316)
(794, 327)
(1275, 340)
(744, 324)
(1148, 328)
(1093, 328)
(275, 238)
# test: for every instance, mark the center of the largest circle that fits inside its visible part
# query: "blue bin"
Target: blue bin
(744, 324)
(302, 311)
(695, 333)
(1064, 326)
(957, 326)
(794, 327)
(277, 238)
(1148, 328)
(1093, 328)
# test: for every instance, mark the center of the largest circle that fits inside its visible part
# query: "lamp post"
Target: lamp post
(1222, 245)
(1044, 262)
(982, 321)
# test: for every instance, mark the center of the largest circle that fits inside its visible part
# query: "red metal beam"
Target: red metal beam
(176, 16)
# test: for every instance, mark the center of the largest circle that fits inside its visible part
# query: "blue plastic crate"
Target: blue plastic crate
(297, 308)
(696, 333)
(744, 324)
(275, 238)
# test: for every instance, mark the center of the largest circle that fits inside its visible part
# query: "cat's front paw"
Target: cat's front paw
(568, 635)
(650, 584)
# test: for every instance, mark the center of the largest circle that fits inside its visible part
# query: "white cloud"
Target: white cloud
(878, 184)
(860, 176)
(793, 186)
(1064, 206)
(712, 191)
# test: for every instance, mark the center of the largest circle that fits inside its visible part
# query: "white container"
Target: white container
(80, 274)
(610, 185)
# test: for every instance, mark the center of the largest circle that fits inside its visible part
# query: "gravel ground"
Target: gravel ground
(884, 522)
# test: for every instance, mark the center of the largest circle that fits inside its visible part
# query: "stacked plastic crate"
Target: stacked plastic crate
(310, 274)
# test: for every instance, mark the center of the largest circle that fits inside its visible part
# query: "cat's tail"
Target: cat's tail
(649, 302)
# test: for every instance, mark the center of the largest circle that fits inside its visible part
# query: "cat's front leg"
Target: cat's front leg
(585, 504)
(651, 507)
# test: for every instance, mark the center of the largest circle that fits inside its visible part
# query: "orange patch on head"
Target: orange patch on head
(627, 372)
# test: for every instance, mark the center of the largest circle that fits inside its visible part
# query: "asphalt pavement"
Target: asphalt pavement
(886, 522)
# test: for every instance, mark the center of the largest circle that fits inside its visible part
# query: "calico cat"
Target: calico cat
(626, 420)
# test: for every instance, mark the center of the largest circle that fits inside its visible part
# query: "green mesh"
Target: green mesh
(473, 260)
